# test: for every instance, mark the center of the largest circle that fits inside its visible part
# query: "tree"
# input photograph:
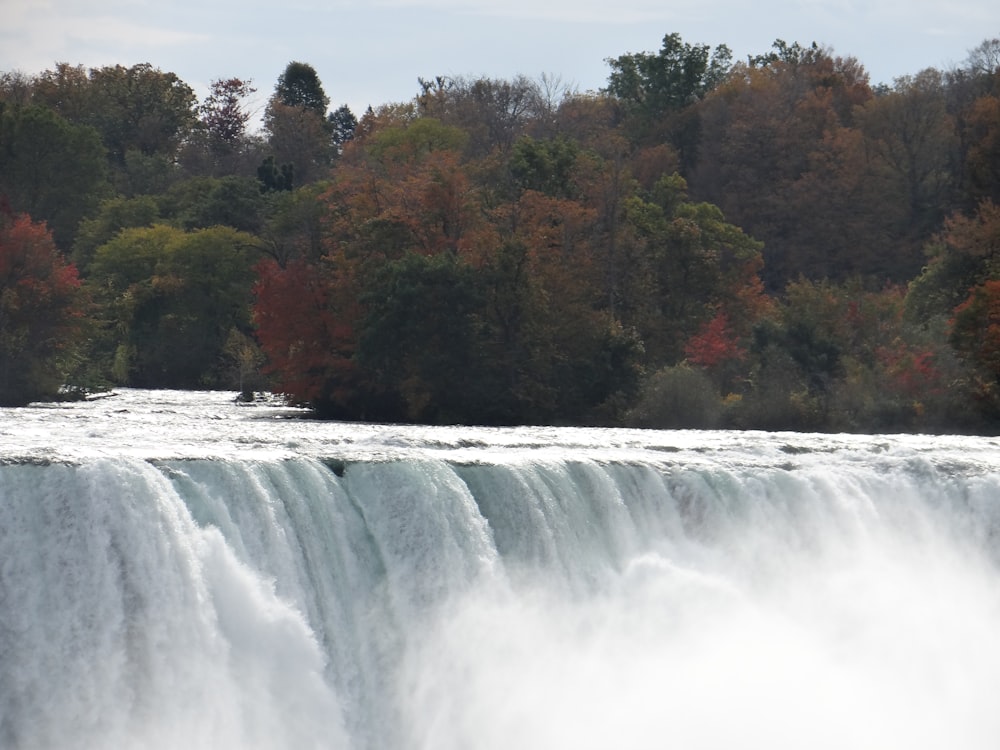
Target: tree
(202, 202)
(41, 313)
(224, 113)
(494, 113)
(50, 169)
(911, 133)
(140, 109)
(112, 216)
(984, 59)
(298, 137)
(677, 76)
(545, 165)
(422, 336)
(714, 344)
(775, 146)
(342, 123)
(68, 91)
(306, 319)
(658, 90)
(171, 299)
(299, 86)
(975, 335)
(982, 157)
(964, 255)
(686, 261)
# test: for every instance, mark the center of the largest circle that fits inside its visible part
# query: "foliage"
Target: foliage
(678, 75)
(113, 215)
(307, 332)
(41, 313)
(171, 299)
(771, 243)
(975, 334)
(49, 168)
(202, 202)
(299, 86)
(676, 397)
(223, 112)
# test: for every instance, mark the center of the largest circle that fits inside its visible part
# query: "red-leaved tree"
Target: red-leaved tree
(41, 316)
(714, 344)
(307, 331)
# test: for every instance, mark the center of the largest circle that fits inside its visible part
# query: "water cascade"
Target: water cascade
(178, 572)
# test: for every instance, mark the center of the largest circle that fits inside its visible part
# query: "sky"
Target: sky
(372, 53)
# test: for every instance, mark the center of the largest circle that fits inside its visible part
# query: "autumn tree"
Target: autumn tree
(981, 125)
(964, 255)
(306, 318)
(493, 112)
(41, 313)
(975, 334)
(775, 146)
(224, 113)
(910, 132)
(221, 145)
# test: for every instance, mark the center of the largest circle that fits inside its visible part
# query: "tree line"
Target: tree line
(768, 243)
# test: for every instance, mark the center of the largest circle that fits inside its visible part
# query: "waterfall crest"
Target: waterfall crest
(530, 599)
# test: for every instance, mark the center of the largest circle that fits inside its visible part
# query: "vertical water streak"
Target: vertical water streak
(124, 624)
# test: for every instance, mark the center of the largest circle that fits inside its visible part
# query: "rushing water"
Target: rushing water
(179, 571)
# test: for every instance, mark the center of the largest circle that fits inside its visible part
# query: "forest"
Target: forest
(771, 243)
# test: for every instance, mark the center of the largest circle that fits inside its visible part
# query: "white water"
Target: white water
(177, 571)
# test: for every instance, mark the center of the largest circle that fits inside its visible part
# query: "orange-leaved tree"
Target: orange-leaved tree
(41, 312)
(975, 334)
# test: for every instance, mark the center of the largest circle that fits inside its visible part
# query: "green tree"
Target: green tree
(112, 216)
(299, 86)
(342, 123)
(171, 299)
(545, 165)
(677, 76)
(202, 202)
(422, 337)
(686, 260)
(49, 168)
(298, 137)
(140, 108)
(658, 90)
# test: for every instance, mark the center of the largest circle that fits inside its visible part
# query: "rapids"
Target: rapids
(181, 571)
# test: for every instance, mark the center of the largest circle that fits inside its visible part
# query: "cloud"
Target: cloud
(35, 34)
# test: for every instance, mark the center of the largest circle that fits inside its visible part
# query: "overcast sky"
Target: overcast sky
(373, 52)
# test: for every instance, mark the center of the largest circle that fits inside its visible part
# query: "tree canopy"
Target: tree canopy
(772, 242)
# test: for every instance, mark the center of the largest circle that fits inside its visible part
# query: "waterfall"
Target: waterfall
(531, 598)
